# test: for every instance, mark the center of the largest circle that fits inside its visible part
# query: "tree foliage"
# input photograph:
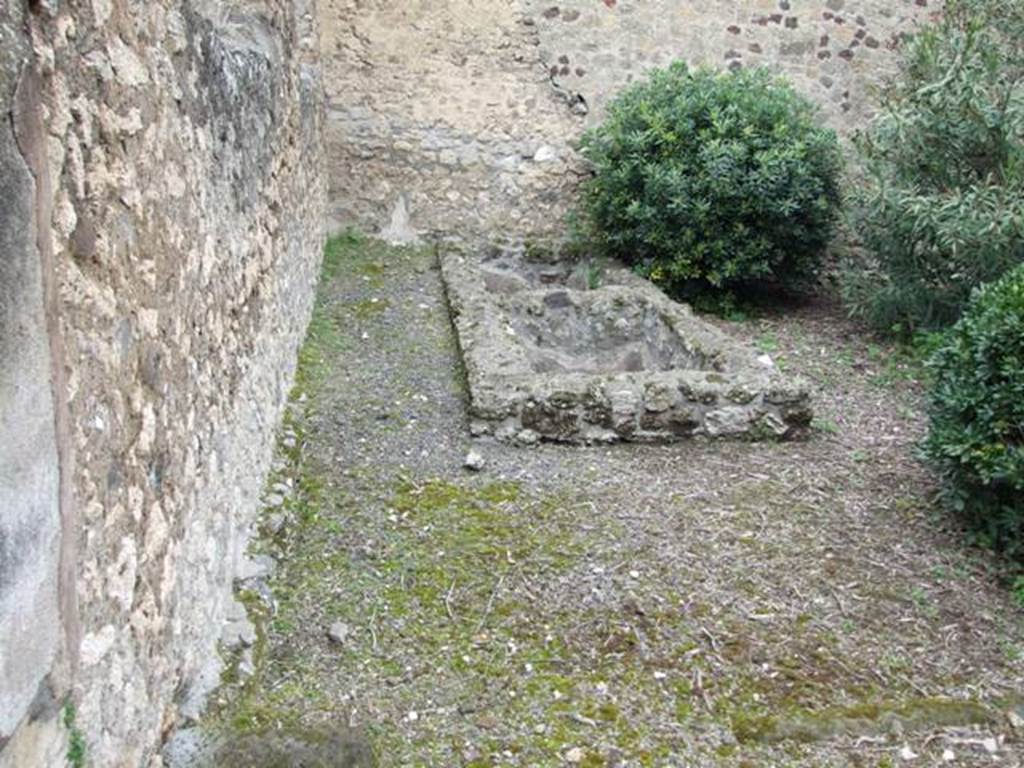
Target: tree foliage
(942, 209)
(705, 180)
(977, 413)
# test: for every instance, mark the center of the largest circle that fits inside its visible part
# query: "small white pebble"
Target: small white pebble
(474, 461)
(413, 716)
(339, 632)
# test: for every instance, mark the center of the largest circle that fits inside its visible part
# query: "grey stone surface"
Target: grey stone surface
(189, 747)
(29, 480)
(255, 568)
(582, 353)
(37, 742)
(239, 631)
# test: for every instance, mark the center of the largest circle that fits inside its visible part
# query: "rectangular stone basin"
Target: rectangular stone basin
(563, 352)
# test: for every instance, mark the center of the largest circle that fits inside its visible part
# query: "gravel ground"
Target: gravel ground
(698, 604)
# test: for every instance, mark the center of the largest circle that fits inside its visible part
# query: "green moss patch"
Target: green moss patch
(877, 719)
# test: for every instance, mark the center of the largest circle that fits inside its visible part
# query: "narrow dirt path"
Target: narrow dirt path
(688, 605)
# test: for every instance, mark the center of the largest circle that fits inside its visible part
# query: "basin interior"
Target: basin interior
(507, 275)
(574, 332)
(587, 351)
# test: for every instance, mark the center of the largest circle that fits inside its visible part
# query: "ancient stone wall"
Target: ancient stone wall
(459, 119)
(161, 230)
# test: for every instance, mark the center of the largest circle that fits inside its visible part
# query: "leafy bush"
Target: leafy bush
(977, 413)
(942, 210)
(708, 180)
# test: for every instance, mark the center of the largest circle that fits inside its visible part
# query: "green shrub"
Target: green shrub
(707, 180)
(942, 209)
(977, 413)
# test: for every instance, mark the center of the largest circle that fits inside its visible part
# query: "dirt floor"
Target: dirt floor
(698, 604)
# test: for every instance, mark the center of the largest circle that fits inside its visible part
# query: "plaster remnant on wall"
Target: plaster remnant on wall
(29, 478)
(185, 224)
(399, 230)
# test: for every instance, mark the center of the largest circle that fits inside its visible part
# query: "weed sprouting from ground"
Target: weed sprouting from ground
(77, 750)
